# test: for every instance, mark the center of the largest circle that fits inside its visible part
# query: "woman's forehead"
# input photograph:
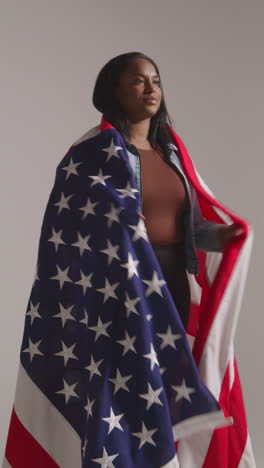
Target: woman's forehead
(141, 67)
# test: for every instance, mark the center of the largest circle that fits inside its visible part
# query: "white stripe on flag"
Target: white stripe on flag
(224, 216)
(231, 369)
(191, 340)
(199, 423)
(218, 350)
(174, 463)
(213, 260)
(192, 450)
(195, 289)
(247, 459)
(203, 184)
(46, 424)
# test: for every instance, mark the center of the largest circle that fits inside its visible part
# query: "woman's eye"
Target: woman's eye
(142, 81)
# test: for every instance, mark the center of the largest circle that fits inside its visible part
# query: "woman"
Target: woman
(106, 375)
(129, 93)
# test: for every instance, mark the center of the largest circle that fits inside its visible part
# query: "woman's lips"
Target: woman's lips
(150, 100)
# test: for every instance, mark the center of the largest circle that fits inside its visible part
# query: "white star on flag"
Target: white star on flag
(108, 290)
(131, 266)
(111, 251)
(145, 436)
(64, 314)
(33, 312)
(120, 381)
(85, 319)
(82, 243)
(88, 208)
(183, 391)
(154, 285)
(168, 338)
(84, 447)
(152, 356)
(113, 421)
(152, 396)
(33, 349)
(130, 305)
(106, 460)
(89, 407)
(93, 368)
(63, 203)
(127, 343)
(112, 150)
(100, 328)
(113, 214)
(62, 276)
(68, 391)
(140, 230)
(71, 168)
(128, 191)
(85, 281)
(67, 353)
(56, 238)
(99, 179)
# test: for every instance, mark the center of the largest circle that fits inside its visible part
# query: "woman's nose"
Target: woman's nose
(149, 86)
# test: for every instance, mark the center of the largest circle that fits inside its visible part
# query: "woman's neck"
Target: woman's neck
(138, 133)
(144, 145)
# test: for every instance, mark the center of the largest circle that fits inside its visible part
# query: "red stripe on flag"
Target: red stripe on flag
(22, 450)
(211, 300)
(237, 432)
(193, 322)
(228, 443)
(217, 454)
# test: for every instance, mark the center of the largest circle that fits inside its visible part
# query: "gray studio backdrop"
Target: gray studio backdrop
(210, 55)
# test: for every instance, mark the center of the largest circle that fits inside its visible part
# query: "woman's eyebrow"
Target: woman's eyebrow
(142, 74)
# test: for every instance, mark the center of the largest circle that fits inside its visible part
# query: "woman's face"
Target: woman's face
(139, 82)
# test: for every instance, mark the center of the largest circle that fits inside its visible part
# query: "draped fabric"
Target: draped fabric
(107, 376)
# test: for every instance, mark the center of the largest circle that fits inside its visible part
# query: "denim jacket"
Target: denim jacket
(200, 233)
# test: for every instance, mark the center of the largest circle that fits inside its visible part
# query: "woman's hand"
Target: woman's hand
(226, 233)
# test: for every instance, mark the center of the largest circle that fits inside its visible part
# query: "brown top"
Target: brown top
(164, 198)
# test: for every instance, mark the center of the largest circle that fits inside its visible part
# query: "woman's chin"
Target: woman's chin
(149, 111)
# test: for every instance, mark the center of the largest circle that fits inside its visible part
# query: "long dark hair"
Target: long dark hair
(104, 101)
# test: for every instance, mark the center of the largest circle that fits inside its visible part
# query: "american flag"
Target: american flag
(107, 376)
